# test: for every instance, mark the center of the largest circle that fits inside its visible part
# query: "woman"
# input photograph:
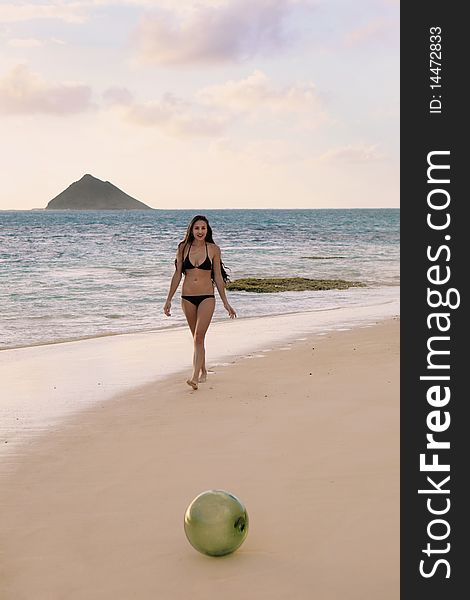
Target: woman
(198, 257)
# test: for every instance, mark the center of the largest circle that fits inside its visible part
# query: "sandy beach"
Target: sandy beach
(307, 438)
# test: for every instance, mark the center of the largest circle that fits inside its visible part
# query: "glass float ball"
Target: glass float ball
(216, 523)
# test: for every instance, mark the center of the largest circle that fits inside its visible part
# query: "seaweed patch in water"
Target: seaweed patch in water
(290, 284)
(322, 257)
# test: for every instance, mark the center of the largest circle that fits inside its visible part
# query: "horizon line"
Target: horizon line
(202, 208)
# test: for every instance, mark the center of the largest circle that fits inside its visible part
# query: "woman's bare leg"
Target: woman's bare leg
(190, 312)
(205, 311)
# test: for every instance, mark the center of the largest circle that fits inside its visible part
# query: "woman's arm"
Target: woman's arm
(175, 281)
(219, 282)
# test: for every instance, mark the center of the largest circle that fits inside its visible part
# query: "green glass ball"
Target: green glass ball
(216, 523)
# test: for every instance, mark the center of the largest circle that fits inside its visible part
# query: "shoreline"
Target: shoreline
(63, 379)
(217, 319)
(308, 438)
(176, 326)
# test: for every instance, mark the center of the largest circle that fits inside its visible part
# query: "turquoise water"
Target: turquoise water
(67, 275)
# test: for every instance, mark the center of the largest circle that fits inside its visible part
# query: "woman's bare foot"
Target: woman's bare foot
(192, 384)
(203, 377)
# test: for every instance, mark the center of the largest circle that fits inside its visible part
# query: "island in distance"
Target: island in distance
(90, 193)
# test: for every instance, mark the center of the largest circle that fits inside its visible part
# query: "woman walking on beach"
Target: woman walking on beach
(198, 257)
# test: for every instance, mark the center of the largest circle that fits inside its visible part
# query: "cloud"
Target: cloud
(32, 42)
(256, 93)
(236, 30)
(78, 11)
(360, 153)
(212, 110)
(176, 117)
(118, 96)
(181, 6)
(208, 113)
(381, 30)
(25, 43)
(25, 92)
(266, 152)
(71, 12)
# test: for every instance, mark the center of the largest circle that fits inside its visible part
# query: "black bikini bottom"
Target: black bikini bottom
(196, 300)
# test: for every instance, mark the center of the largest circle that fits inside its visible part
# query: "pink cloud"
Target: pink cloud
(176, 117)
(383, 30)
(237, 30)
(215, 108)
(23, 91)
(15, 12)
(25, 43)
(360, 153)
(258, 94)
(264, 151)
(117, 96)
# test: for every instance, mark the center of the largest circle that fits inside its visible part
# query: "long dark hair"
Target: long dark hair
(189, 238)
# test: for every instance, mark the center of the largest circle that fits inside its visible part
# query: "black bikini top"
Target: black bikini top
(205, 266)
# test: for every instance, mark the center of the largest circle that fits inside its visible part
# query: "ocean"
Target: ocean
(69, 275)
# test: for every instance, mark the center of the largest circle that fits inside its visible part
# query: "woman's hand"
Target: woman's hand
(231, 312)
(167, 308)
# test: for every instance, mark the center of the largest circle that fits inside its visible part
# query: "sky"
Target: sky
(202, 103)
